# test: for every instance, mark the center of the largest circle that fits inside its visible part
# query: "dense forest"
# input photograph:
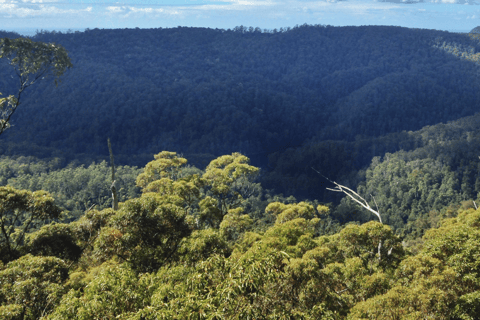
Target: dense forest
(209, 92)
(194, 244)
(232, 219)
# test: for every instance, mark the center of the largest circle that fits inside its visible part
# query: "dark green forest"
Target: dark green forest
(226, 146)
(206, 92)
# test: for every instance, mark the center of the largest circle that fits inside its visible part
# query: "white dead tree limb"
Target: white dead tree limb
(361, 201)
(113, 188)
(356, 197)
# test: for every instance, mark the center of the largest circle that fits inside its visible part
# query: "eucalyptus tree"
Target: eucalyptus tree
(20, 212)
(32, 61)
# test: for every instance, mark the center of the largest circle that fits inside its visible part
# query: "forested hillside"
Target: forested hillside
(188, 247)
(207, 92)
(203, 233)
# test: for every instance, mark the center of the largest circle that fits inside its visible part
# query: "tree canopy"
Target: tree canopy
(193, 244)
(31, 61)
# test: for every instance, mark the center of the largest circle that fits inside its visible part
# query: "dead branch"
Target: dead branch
(361, 201)
(355, 197)
(113, 188)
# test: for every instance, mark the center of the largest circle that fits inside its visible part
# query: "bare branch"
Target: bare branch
(378, 211)
(353, 195)
(114, 184)
(379, 250)
(390, 251)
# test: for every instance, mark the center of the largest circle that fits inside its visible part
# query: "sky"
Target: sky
(25, 16)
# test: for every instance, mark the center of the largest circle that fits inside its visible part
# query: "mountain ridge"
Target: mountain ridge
(207, 92)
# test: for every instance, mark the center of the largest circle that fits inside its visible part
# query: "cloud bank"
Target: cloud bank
(434, 14)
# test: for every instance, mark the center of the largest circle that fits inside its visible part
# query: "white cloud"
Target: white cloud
(229, 13)
(467, 2)
(307, 10)
(6, 7)
(38, 1)
(404, 1)
(15, 10)
(445, 1)
(114, 9)
(137, 12)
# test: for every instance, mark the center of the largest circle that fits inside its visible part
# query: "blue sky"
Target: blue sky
(24, 15)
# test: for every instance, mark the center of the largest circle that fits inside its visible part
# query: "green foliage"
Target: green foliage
(235, 224)
(54, 239)
(20, 212)
(283, 274)
(361, 240)
(31, 61)
(230, 181)
(463, 52)
(408, 192)
(11, 312)
(145, 232)
(361, 272)
(227, 183)
(90, 224)
(441, 281)
(75, 188)
(31, 287)
(221, 288)
(113, 291)
(34, 58)
(286, 212)
(166, 165)
(202, 244)
(174, 253)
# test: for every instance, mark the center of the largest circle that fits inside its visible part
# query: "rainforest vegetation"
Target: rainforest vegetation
(224, 144)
